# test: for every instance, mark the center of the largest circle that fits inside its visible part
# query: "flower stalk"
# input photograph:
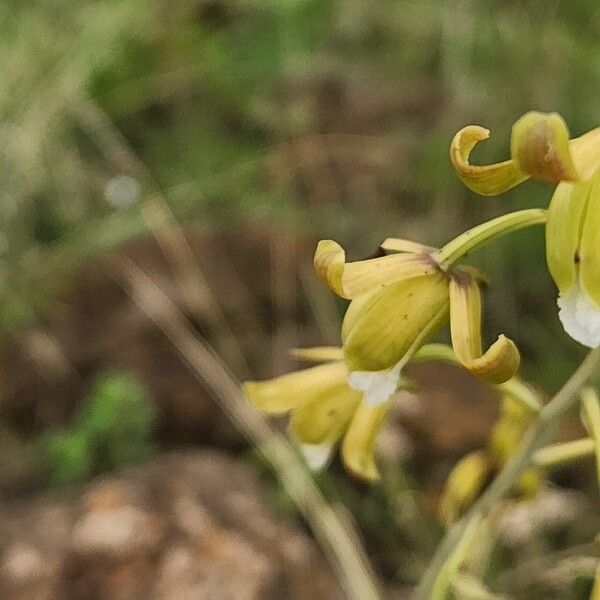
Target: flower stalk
(559, 454)
(487, 232)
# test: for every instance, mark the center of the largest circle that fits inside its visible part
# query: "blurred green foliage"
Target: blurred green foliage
(302, 119)
(110, 429)
(195, 98)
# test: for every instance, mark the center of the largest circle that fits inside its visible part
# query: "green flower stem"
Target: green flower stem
(522, 393)
(538, 435)
(445, 580)
(442, 352)
(488, 231)
(558, 454)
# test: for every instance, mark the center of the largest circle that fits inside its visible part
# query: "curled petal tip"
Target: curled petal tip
(329, 264)
(540, 149)
(499, 364)
(487, 180)
(501, 361)
(463, 143)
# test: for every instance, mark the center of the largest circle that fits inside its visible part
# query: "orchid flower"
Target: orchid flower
(541, 149)
(324, 411)
(400, 299)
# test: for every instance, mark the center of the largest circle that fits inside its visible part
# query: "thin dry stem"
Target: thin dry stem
(338, 541)
(163, 225)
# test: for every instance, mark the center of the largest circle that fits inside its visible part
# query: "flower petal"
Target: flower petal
(377, 386)
(400, 245)
(585, 151)
(508, 431)
(501, 361)
(540, 145)
(540, 148)
(589, 248)
(514, 388)
(317, 456)
(563, 232)
(465, 482)
(349, 280)
(487, 180)
(381, 328)
(580, 316)
(318, 354)
(358, 447)
(324, 419)
(289, 391)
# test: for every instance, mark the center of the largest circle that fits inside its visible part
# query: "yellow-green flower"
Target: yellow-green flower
(324, 412)
(541, 149)
(464, 485)
(573, 255)
(520, 403)
(399, 300)
(471, 474)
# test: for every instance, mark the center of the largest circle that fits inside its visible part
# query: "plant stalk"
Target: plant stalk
(538, 435)
(337, 539)
(487, 232)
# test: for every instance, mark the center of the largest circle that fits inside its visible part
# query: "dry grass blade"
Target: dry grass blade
(164, 227)
(336, 539)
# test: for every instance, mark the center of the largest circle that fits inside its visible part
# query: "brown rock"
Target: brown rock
(116, 533)
(184, 526)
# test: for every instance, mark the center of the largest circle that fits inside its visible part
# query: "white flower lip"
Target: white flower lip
(317, 456)
(580, 316)
(377, 386)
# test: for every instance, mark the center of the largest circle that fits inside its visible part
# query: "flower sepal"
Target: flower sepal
(540, 149)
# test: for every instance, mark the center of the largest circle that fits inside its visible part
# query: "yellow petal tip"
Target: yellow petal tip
(352, 279)
(358, 446)
(502, 359)
(329, 262)
(499, 364)
(487, 180)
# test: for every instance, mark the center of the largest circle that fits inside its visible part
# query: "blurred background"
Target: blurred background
(211, 144)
